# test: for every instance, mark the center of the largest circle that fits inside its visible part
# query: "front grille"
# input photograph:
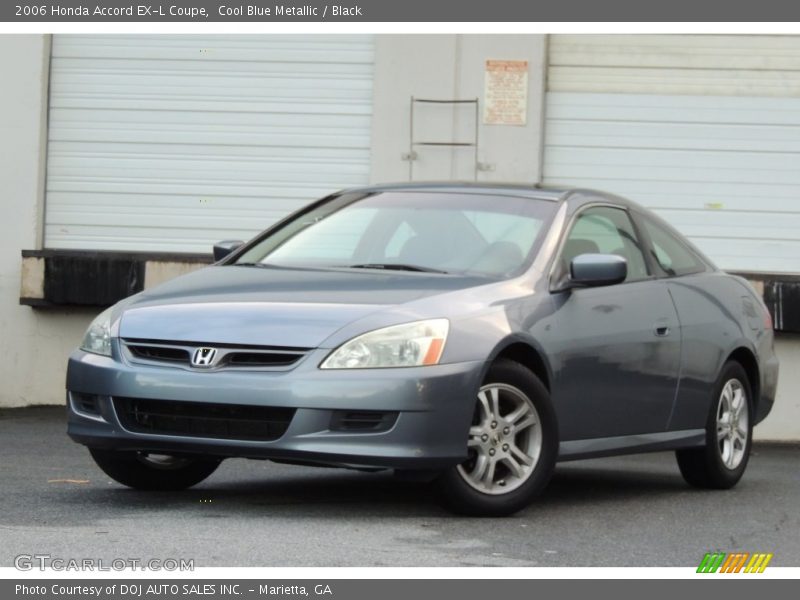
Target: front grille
(261, 359)
(200, 419)
(366, 421)
(160, 353)
(228, 356)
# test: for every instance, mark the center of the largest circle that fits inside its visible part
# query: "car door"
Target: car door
(615, 349)
(710, 309)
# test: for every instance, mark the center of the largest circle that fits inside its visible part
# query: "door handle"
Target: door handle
(662, 331)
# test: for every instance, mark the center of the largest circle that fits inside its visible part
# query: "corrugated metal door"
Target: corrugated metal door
(169, 143)
(703, 129)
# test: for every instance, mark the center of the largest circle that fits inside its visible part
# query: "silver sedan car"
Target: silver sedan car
(473, 335)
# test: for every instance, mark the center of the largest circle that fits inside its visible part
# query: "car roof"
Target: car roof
(534, 191)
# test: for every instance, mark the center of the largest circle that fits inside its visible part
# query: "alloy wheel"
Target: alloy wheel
(166, 462)
(732, 424)
(505, 440)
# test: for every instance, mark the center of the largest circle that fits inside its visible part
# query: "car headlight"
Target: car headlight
(98, 336)
(408, 345)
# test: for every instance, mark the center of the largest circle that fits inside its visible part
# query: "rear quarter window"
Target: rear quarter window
(670, 252)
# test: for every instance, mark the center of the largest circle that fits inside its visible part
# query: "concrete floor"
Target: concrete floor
(629, 511)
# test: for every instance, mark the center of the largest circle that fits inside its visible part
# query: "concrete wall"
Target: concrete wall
(452, 67)
(783, 423)
(33, 344)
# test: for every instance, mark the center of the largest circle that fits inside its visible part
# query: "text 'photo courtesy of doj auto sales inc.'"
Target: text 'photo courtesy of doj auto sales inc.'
(191, 12)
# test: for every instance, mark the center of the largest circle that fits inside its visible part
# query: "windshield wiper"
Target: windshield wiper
(261, 265)
(249, 264)
(397, 267)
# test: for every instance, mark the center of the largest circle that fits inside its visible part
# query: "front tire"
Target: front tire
(157, 472)
(721, 463)
(512, 445)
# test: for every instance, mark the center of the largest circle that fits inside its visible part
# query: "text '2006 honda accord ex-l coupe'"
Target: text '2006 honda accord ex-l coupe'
(470, 334)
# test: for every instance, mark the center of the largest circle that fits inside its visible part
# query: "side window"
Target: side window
(670, 253)
(605, 230)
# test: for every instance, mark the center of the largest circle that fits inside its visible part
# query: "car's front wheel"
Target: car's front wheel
(512, 445)
(145, 471)
(720, 464)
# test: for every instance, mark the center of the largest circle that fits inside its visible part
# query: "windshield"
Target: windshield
(471, 234)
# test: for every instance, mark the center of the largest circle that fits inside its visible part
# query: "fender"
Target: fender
(519, 338)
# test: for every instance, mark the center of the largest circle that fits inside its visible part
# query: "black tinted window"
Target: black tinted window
(671, 254)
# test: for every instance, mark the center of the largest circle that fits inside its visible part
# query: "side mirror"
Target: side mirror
(225, 247)
(591, 270)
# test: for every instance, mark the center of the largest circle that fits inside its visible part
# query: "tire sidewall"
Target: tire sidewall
(465, 499)
(731, 370)
(126, 468)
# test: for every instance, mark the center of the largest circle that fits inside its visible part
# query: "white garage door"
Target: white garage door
(169, 143)
(703, 129)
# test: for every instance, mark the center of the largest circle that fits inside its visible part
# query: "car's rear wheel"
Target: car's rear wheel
(720, 464)
(512, 446)
(150, 471)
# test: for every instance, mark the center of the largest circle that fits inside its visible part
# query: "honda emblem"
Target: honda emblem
(204, 357)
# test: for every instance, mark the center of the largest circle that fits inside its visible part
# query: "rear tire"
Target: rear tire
(153, 471)
(721, 463)
(513, 445)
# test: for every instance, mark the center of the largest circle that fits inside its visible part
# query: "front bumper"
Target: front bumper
(435, 405)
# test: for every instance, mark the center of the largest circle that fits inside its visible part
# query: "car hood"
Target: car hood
(272, 306)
